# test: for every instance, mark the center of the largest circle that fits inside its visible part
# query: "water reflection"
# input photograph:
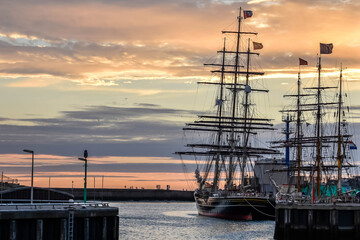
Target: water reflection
(179, 220)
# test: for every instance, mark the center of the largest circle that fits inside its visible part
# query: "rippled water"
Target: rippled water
(179, 220)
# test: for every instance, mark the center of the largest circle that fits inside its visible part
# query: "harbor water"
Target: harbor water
(179, 220)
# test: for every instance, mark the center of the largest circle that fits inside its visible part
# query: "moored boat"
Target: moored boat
(237, 207)
(227, 145)
(324, 209)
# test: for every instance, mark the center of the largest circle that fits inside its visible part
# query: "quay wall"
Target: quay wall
(58, 222)
(318, 221)
(99, 194)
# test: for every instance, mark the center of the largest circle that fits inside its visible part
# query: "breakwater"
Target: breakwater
(58, 221)
(99, 194)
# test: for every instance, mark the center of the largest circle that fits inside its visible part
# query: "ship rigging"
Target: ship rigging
(223, 190)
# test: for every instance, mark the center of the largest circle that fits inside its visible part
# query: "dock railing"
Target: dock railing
(18, 204)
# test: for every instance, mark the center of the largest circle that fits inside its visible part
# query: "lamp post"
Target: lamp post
(85, 160)
(32, 174)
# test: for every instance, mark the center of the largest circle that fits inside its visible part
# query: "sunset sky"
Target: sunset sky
(118, 78)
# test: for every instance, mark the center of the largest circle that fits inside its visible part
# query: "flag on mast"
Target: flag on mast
(218, 102)
(326, 48)
(352, 145)
(302, 62)
(257, 45)
(247, 14)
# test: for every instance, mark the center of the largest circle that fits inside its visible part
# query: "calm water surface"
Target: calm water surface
(179, 220)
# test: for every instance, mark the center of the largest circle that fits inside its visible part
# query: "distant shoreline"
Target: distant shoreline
(106, 194)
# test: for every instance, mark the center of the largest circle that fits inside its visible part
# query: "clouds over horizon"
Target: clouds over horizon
(143, 130)
(103, 42)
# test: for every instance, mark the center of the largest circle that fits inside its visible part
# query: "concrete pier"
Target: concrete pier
(55, 221)
(317, 221)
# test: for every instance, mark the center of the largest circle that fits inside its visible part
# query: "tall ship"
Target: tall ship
(227, 143)
(327, 204)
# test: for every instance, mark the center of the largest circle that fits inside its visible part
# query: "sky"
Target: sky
(119, 78)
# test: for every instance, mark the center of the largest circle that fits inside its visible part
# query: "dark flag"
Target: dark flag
(326, 48)
(257, 45)
(302, 62)
(247, 14)
(352, 145)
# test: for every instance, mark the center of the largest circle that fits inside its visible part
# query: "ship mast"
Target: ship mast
(246, 110)
(234, 105)
(220, 108)
(297, 141)
(318, 131)
(340, 139)
(298, 132)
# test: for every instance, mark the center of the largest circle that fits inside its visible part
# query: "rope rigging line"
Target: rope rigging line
(258, 209)
(185, 173)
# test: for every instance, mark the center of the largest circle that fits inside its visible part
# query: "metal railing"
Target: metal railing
(15, 204)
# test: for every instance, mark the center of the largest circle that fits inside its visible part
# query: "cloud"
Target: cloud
(145, 130)
(101, 43)
(104, 168)
(77, 42)
(109, 113)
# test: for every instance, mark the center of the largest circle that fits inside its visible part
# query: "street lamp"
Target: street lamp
(32, 174)
(85, 160)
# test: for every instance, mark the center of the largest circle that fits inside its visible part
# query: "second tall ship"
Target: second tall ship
(228, 145)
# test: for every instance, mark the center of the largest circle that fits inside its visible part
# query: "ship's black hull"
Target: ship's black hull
(237, 207)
